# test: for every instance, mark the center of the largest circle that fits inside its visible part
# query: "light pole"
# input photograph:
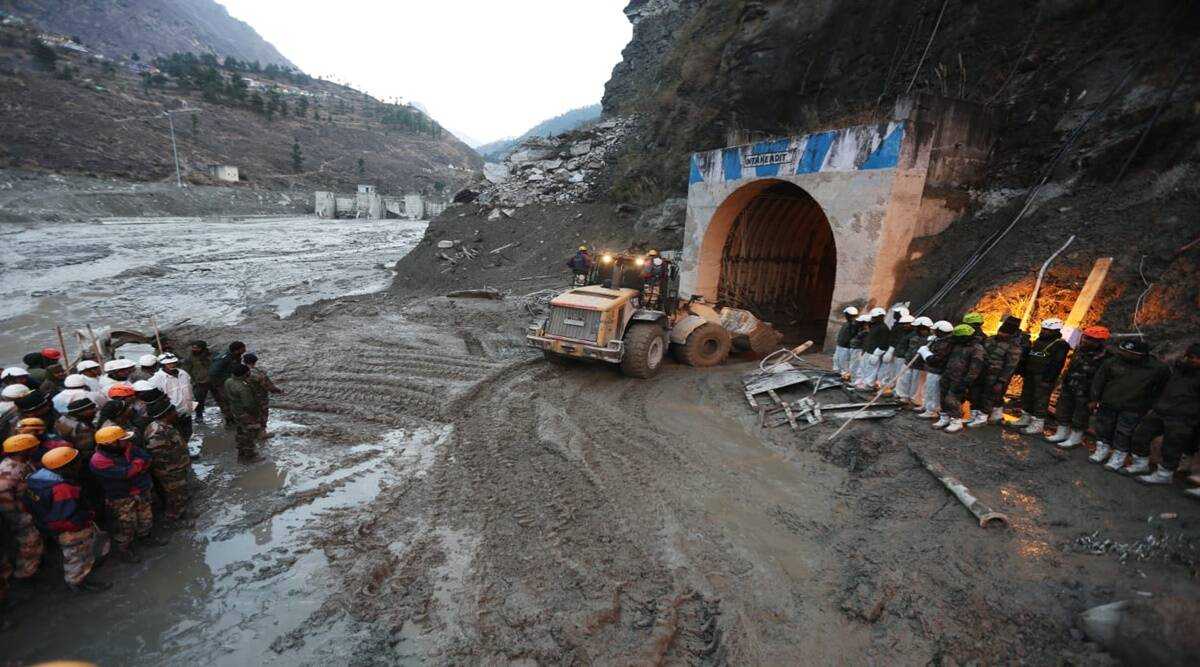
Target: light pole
(174, 146)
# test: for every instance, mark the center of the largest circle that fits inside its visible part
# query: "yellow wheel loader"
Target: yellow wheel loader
(623, 318)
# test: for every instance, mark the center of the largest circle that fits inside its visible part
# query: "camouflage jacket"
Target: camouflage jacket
(13, 474)
(1077, 381)
(197, 365)
(167, 449)
(262, 386)
(242, 401)
(1001, 356)
(81, 435)
(964, 365)
(941, 349)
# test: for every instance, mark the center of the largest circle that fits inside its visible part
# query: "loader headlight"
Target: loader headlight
(606, 258)
(639, 261)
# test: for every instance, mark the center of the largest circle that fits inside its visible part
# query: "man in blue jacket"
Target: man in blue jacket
(54, 496)
(124, 473)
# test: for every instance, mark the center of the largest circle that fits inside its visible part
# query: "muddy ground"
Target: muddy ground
(438, 494)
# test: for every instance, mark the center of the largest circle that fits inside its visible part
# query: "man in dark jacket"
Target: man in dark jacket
(856, 344)
(124, 474)
(1123, 390)
(934, 355)
(1176, 417)
(55, 499)
(220, 371)
(196, 363)
(1002, 355)
(581, 265)
(246, 411)
(876, 343)
(841, 354)
(1072, 408)
(1039, 369)
(963, 367)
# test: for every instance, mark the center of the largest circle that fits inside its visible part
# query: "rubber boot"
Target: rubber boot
(1139, 466)
(1101, 453)
(997, 416)
(943, 421)
(955, 426)
(1021, 422)
(1160, 476)
(1073, 441)
(1036, 426)
(1117, 461)
(1060, 434)
(1193, 493)
(977, 419)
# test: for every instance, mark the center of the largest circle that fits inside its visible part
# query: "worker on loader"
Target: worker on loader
(1039, 368)
(1002, 355)
(933, 355)
(1072, 408)
(55, 499)
(841, 354)
(1175, 417)
(1122, 392)
(963, 367)
(654, 275)
(581, 266)
(875, 344)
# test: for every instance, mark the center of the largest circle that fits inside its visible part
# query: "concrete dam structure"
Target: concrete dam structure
(796, 229)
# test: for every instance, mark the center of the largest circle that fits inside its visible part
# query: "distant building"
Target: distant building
(414, 207)
(226, 173)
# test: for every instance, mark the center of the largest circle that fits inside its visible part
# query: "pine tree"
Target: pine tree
(297, 157)
(362, 168)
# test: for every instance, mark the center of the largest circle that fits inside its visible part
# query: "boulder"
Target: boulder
(1159, 631)
(529, 154)
(581, 148)
(444, 244)
(550, 165)
(666, 217)
(495, 172)
(494, 215)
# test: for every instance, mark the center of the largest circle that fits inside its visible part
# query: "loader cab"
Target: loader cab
(625, 271)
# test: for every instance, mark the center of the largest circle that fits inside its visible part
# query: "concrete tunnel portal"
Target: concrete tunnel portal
(771, 251)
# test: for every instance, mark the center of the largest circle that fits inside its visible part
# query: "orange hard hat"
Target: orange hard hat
(111, 434)
(29, 424)
(19, 443)
(51, 353)
(59, 457)
(1098, 332)
(120, 391)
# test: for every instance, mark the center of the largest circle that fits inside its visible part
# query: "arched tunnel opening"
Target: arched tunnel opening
(780, 262)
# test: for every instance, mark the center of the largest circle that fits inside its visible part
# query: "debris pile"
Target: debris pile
(775, 377)
(1178, 548)
(555, 170)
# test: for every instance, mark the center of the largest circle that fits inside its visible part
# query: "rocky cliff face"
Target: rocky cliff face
(150, 27)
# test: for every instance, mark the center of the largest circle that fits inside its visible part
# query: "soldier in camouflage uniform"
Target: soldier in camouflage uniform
(1072, 408)
(246, 411)
(171, 466)
(963, 367)
(262, 385)
(55, 499)
(17, 466)
(76, 426)
(1001, 354)
(123, 471)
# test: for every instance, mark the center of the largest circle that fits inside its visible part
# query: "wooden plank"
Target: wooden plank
(774, 397)
(772, 381)
(790, 417)
(1083, 303)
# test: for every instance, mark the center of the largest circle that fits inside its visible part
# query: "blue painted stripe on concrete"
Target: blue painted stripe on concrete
(731, 161)
(815, 150)
(695, 176)
(778, 146)
(888, 153)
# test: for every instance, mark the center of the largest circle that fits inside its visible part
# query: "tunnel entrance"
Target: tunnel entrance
(779, 261)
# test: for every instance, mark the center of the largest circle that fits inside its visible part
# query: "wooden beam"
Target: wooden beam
(1083, 303)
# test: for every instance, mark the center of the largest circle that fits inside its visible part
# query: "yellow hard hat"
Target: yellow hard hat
(583, 248)
(111, 434)
(20, 443)
(31, 424)
(59, 457)
(653, 253)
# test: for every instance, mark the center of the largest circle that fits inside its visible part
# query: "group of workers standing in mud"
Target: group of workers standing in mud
(1124, 396)
(107, 441)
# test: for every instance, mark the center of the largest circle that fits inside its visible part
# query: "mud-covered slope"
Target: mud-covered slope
(150, 27)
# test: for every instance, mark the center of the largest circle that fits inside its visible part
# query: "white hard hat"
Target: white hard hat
(168, 358)
(14, 391)
(75, 382)
(117, 365)
(851, 311)
(142, 385)
(943, 326)
(906, 318)
(86, 365)
(1052, 324)
(923, 321)
(148, 360)
(863, 318)
(14, 372)
(877, 312)
(658, 261)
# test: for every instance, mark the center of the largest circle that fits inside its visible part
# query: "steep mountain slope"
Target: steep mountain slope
(571, 120)
(150, 27)
(95, 117)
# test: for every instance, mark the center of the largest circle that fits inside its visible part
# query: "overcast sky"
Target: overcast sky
(485, 68)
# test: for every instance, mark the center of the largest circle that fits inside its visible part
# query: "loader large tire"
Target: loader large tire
(645, 347)
(708, 345)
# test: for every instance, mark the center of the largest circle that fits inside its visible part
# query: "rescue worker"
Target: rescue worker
(17, 375)
(1002, 355)
(15, 469)
(53, 383)
(908, 379)
(77, 427)
(34, 404)
(116, 372)
(37, 428)
(262, 385)
(196, 363)
(124, 474)
(581, 266)
(904, 345)
(1072, 408)
(246, 412)
(1124, 389)
(876, 342)
(38, 363)
(147, 366)
(171, 464)
(176, 384)
(856, 345)
(934, 355)
(73, 387)
(964, 365)
(841, 354)
(1039, 370)
(8, 406)
(90, 370)
(144, 394)
(1176, 417)
(654, 275)
(55, 499)
(219, 372)
(119, 412)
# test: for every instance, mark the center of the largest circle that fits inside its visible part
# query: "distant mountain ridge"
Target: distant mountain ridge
(150, 27)
(571, 120)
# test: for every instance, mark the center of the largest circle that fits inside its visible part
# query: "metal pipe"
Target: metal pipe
(983, 513)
